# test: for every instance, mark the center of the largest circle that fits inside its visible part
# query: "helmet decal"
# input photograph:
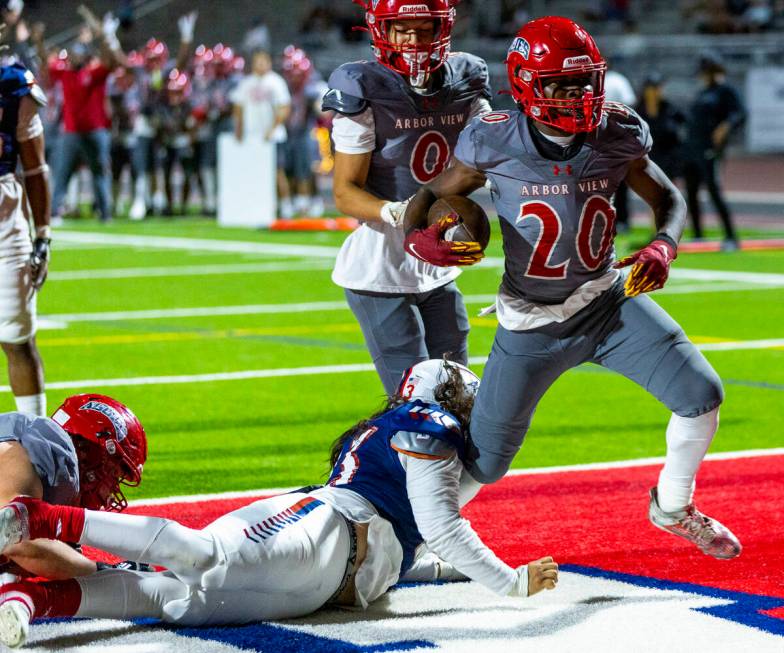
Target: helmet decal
(120, 428)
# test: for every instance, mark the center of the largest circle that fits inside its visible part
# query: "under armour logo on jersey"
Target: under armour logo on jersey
(557, 170)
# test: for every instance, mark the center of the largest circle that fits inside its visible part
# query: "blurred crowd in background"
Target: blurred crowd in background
(146, 122)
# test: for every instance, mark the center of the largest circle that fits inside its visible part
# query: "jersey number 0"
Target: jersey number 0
(429, 156)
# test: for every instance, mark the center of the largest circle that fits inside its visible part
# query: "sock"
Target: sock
(59, 598)
(688, 439)
(51, 522)
(35, 404)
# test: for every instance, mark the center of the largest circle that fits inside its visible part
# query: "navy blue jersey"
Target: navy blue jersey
(416, 133)
(369, 463)
(15, 83)
(50, 451)
(556, 217)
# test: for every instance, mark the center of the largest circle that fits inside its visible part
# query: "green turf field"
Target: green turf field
(247, 299)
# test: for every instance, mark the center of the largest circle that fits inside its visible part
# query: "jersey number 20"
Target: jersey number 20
(540, 265)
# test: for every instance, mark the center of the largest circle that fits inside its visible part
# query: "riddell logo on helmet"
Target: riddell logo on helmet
(414, 9)
(574, 62)
(113, 416)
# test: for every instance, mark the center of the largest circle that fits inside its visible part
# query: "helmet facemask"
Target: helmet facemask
(416, 62)
(101, 474)
(535, 91)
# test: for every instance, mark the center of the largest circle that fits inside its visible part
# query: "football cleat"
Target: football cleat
(14, 524)
(14, 623)
(709, 535)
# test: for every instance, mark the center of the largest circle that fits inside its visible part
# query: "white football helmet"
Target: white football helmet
(421, 380)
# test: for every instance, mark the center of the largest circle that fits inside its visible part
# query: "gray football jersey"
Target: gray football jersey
(415, 134)
(556, 217)
(51, 453)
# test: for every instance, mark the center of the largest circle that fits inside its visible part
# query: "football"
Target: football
(473, 224)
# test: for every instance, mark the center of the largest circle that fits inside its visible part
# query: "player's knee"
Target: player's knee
(485, 467)
(704, 394)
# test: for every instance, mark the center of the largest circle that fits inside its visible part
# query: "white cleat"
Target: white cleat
(14, 623)
(14, 527)
(709, 535)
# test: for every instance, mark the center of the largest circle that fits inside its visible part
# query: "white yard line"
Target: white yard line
(194, 244)
(190, 270)
(305, 307)
(616, 464)
(319, 370)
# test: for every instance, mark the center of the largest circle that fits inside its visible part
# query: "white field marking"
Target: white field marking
(615, 464)
(190, 270)
(192, 244)
(167, 242)
(243, 375)
(305, 307)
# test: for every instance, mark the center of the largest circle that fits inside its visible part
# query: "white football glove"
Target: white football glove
(187, 25)
(393, 212)
(109, 28)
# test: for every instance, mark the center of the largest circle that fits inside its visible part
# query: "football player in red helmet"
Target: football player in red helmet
(82, 456)
(412, 39)
(554, 167)
(556, 74)
(397, 121)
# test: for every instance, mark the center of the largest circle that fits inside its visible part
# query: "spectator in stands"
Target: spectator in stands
(262, 105)
(85, 119)
(667, 124)
(16, 36)
(716, 112)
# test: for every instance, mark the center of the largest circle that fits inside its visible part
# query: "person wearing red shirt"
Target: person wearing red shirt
(86, 123)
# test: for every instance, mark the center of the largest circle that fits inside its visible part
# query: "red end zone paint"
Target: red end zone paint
(599, 519)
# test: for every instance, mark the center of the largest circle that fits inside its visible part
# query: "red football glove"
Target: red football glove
(428, 245)
(651, 266)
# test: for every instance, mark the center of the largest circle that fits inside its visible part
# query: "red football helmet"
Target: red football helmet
(110, 444)
(156, 54)
(555, 50)
(415, 61)
(222, 61)
(178, 83)
(296, 66)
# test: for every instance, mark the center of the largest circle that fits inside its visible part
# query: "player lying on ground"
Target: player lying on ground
(80, 457)
(395, 485)
(553, 167)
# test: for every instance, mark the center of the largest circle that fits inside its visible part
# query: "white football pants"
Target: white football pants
(276, 558)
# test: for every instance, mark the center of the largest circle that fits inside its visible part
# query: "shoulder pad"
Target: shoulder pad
(348, 105)
(421, 445)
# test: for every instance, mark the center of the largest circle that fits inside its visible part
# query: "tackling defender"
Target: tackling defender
(23, 262)
(395, 485)
(79, 457)
(553, 167)
(396, 125)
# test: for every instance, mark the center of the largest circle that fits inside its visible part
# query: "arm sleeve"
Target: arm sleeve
(28, 125)
(354, 134)
(433, 487)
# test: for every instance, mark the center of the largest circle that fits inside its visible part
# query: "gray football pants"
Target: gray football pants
(632, 336)
(402, 330)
